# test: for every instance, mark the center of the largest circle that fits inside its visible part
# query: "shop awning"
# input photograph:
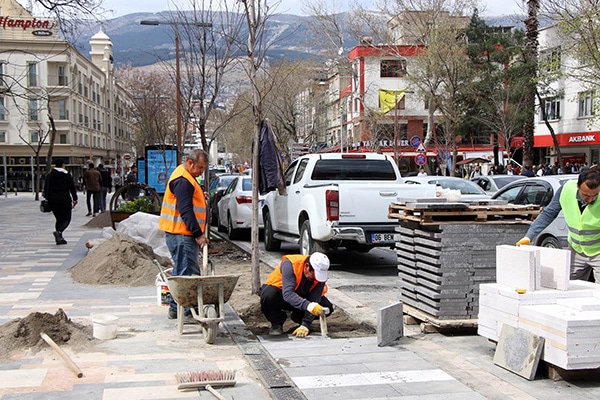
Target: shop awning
(475, 160)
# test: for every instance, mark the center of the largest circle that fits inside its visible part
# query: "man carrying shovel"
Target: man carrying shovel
(296, 285)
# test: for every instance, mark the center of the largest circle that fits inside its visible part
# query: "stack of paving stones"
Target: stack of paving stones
(441, 266)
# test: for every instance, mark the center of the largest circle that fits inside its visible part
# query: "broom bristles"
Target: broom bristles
(205, 376)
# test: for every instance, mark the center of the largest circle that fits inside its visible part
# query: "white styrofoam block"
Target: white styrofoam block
(584, 285)
(561, 317)
(518, 267)
(555, 268)
(581, 303)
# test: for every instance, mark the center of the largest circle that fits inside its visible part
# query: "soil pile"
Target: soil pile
(101, 220)
(24, 333)
(119, 261)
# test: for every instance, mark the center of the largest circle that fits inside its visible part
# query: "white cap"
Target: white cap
(320, 264)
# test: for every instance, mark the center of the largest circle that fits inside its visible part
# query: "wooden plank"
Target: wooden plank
(429, 322)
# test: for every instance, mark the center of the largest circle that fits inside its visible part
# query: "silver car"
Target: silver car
(539, 191)
(492, 183)
(469, 191)
(235, 207)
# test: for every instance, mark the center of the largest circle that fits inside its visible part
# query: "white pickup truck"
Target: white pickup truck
(337, 200)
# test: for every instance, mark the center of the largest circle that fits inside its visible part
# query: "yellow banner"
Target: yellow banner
(388, 99)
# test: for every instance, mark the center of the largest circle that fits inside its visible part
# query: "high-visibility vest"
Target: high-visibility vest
(170, 220)
(584, 227)
(275, 278)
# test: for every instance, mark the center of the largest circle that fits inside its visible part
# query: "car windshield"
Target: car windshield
(247, 184)
(502, 181)
(225, 181)
(465, 186)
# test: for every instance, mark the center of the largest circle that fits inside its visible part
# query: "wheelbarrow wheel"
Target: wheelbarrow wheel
(210, 330)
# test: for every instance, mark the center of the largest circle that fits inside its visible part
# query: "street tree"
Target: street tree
(530, 60)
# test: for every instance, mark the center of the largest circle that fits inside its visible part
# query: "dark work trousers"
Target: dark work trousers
(273, 306)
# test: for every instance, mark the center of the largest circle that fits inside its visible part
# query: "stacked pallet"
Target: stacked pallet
(441, 262)
(441, 267)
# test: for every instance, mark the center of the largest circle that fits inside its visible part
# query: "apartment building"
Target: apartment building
(44, 80)
(570, 109)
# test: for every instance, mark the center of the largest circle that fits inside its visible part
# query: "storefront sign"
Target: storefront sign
(568, 139)
(33, 23)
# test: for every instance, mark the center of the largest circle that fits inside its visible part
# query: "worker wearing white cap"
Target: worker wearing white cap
(296, 285)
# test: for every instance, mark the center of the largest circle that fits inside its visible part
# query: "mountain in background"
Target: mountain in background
(290, 35)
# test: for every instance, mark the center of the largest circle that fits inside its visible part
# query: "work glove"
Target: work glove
(301, 331)
(523, 242)
(315, 309)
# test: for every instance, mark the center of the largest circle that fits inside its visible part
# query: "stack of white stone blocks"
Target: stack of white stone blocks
(533, 292)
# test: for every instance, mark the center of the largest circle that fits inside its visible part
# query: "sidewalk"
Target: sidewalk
(141, 362)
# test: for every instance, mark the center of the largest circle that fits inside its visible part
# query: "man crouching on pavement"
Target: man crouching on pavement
(296, 285)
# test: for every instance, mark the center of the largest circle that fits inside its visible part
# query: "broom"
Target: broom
(205, 380)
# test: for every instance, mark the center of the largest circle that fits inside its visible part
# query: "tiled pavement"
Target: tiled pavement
(141, 362)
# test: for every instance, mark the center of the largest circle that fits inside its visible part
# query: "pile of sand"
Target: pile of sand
(24, 333)
(119, 261)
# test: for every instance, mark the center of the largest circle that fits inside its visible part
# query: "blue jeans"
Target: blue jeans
(185, 252)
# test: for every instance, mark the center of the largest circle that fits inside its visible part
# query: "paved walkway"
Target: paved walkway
(141, 362)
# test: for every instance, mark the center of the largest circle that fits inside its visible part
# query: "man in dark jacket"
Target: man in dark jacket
(92, 184)
(105, 186)
(59, 190)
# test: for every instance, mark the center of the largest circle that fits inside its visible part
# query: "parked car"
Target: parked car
(215, 191)
(492, 183)
(469, 190)
(235, 207)
(539, 191)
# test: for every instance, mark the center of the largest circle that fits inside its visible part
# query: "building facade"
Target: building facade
(570, 109)
(46, 82)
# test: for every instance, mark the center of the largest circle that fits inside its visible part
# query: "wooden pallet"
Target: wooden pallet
(430, 324)
(438, 214)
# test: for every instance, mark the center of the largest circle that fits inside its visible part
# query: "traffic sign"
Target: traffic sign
(420, 159)
(421, 148)
(415, 141)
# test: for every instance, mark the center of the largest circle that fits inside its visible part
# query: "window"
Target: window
(392, 68)
(34, 136)
(32, 74)
(586, 104)
(2, 137)
(2, 109)
(33, 109)
(550, 60)
(552, 107)
(62, 138)
(62, 78)
(62, 109)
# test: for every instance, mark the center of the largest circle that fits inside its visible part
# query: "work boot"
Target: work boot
(276, 330)
(172, 314)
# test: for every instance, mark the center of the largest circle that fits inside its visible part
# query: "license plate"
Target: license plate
(383, 238)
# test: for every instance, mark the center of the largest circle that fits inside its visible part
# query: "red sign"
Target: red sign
(126, 157)
(568, 139)
(420, 159)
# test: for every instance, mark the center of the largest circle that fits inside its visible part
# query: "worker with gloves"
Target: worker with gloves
(578, 201)
(296, 285)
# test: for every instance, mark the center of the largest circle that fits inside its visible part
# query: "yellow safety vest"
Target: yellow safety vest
(170, 220)
(584, 227)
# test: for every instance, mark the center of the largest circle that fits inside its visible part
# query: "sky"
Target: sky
(121, 7)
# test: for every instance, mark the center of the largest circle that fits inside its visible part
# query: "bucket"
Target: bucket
(105, 327)
(163, 295)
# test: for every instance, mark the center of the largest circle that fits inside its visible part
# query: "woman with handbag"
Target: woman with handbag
(61, 194)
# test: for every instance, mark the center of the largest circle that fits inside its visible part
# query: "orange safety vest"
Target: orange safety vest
(298, 260)
(170, 220)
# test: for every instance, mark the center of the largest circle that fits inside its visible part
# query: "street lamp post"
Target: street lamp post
(177, 72)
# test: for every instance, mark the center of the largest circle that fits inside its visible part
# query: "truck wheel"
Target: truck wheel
(231, 232)
(307, 244)
(271, 244)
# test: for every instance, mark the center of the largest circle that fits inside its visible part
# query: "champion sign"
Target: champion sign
(582, 138)
(8, 22)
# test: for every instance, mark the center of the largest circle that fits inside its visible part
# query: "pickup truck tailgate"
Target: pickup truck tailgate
(370, 204)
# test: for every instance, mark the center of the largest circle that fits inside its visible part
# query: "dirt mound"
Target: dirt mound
(24, 333)
(119, 261)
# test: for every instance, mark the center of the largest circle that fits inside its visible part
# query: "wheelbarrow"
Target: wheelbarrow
(208, 293)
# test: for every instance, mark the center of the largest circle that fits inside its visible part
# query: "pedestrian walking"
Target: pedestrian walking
(93, 181)
(59, 190)
(105, 186)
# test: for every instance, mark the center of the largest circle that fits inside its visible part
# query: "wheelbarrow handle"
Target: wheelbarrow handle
(160, 268)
